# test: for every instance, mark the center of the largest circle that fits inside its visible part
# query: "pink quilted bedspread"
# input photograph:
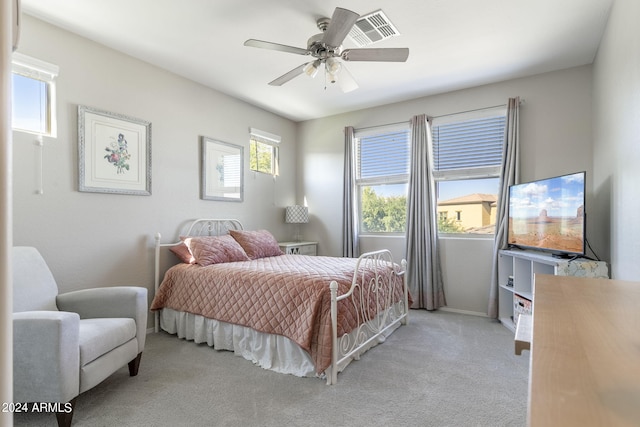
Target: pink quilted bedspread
(286, 295)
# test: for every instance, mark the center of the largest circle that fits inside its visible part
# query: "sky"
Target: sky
(560, 196)
(29, 103)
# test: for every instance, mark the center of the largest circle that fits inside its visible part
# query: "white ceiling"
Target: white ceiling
(454, 44)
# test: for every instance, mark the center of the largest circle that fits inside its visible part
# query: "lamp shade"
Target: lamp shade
(296, 214)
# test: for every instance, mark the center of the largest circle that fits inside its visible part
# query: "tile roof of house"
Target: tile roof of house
(471, 199)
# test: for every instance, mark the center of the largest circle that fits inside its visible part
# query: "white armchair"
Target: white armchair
(65, 344)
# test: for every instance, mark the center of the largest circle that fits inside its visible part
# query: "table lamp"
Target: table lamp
(297, 214)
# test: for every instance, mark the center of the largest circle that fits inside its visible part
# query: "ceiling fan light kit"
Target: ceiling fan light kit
(311, 68)
(326, 48)
(333, 65)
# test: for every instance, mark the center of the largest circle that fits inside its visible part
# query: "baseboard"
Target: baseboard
(150, 330)
(471, 313)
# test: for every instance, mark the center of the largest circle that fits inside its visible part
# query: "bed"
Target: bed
(296, 314)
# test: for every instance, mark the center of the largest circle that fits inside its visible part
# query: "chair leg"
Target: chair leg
(64, 418)
(134, 365)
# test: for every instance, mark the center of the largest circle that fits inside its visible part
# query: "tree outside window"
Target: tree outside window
(261, 158)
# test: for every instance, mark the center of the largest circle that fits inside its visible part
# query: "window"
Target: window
(263, 152)
(34, 100)
(382, 176)
(467, 152)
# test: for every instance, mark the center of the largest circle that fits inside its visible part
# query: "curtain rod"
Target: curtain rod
(469, 111)
(477, 109)
(379, 126)
(437, 117)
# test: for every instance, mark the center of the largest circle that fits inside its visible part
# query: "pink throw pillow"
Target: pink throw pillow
(209, 250)
(257, 244)
(181, 250)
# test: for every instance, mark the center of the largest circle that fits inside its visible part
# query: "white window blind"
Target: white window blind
(469, 144)
(383, 155)
(264, 137)
(33, 68)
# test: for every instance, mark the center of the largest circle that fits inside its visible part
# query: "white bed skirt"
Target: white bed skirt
(269, 351)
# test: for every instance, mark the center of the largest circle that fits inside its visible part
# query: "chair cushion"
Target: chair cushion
(100, 336)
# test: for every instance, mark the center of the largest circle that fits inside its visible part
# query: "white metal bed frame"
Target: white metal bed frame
(374, 324)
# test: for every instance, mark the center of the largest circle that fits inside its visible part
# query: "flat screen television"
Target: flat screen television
(549, 215)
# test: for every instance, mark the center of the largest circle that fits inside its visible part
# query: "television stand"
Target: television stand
(519, 267)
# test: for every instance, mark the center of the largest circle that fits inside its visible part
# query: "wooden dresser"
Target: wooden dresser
(585, 352)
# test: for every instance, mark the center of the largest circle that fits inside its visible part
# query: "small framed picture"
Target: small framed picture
(222, 170)
(114, 153)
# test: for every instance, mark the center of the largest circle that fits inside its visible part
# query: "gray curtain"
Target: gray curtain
(509, 175)
(424, 274)
(349, 225)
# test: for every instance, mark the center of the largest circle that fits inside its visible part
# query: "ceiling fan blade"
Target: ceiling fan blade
(341, 23)
(288, 76)
(399, 54)
(346, 81)
(275, 46)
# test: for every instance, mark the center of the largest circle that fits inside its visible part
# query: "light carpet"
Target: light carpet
(442, 369)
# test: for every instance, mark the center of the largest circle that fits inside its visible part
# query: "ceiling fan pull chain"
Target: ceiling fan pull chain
(325, 77)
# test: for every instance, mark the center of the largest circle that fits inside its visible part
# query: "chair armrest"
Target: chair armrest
(116, 301)
(46, 356)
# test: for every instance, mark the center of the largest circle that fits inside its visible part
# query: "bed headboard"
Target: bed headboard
(212, 227)
(197, 227)
(204, 227)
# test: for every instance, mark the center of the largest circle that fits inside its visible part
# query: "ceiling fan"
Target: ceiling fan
(326, 48)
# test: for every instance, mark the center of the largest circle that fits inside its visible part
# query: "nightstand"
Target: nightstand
(299, 248)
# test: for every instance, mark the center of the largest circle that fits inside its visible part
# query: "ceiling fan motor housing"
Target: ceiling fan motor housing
(319, 50)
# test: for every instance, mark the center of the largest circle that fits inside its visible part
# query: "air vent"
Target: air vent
(372, 28)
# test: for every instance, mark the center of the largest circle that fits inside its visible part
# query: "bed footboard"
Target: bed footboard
(377, 312)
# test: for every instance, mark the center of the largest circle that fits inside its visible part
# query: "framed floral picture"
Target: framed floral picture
(114, 153)
(222, 170)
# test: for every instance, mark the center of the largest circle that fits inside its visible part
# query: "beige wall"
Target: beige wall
(471, 214)
(91, 239)
(616, 125)
(555, 128)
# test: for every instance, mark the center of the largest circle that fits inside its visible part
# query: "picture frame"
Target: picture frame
(114, 153)
(222, 170)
